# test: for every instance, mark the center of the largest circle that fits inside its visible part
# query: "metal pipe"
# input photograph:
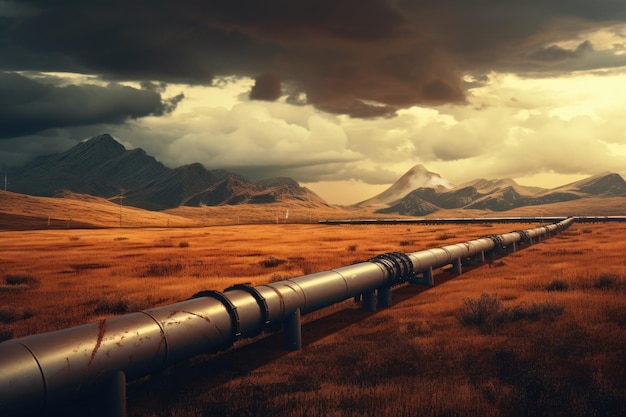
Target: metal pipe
(40, 371)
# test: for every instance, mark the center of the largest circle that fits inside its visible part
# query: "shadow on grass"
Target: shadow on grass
(207, 372)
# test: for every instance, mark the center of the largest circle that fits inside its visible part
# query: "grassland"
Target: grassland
(67, 277)
(541, 331)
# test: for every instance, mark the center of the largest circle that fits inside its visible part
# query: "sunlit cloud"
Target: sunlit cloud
(327, 96)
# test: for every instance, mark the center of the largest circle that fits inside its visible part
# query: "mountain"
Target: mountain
(412, 204)
(606, 184)
(416, 177)
(233, 190)
(502, 195)
(101, 166)
(284, 187)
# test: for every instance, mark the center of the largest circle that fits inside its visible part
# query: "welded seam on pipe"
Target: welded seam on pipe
(320, 290)
(257, 296)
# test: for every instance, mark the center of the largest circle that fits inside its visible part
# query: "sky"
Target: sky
(342, 96)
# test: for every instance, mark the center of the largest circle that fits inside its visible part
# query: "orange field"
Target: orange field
(541, 331)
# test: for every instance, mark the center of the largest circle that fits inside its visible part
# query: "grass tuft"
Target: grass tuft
(533, 312)
(19, 283)
(272, 262)
(557, 285)
(11, 314)
(112, 305)
(479, 311)
(445, 236)
(608, 281)
(162, 270)
(487, 312)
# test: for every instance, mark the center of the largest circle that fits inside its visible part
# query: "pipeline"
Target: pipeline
(476, 220)
(46, 370)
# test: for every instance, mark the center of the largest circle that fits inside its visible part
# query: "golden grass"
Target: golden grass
(417, 358)
(414, 358)
(76, 269)
(20, 212)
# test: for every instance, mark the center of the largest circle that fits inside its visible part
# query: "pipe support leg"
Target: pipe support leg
(456, 266)
(428, 277)
(293, 331)
(384, 296)
(115, 396)
(369, 301)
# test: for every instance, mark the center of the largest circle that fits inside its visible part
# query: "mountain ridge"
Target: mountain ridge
(503, 194)
(103, 167)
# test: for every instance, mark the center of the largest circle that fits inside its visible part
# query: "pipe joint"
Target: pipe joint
(524, 236)
(398, 265)
(230, 307)
(498, 243)
(265, 311)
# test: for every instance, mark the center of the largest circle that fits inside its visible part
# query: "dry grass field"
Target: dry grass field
(62, 278)
(539, 332)
(77, 211)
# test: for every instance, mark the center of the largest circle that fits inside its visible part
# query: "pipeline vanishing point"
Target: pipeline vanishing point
(42, 371)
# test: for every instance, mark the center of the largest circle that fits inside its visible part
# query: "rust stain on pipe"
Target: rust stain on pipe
(101, 330)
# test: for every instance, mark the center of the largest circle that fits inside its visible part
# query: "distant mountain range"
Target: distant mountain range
(495, 195)
(101, 166)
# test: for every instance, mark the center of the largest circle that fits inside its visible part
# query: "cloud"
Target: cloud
(28, 106)
(322, 90)
(364, 58)
(266, 87)
(570, 127)
(251, 140)
(556, 53)
(14, 9)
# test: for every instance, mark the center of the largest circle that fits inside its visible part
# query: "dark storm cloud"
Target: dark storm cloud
(28, 106)
(555, 53)
(14, 9)
(359, 57)
(266, 87)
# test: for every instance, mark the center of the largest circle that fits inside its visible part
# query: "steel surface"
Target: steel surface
(42, 370)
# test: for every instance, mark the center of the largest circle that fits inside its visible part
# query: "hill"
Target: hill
(71, 211)
(68, 210)
(101, 166)
(503, 195)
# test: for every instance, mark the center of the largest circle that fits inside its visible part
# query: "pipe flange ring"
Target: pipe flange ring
(230, 307)
(265, 311)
